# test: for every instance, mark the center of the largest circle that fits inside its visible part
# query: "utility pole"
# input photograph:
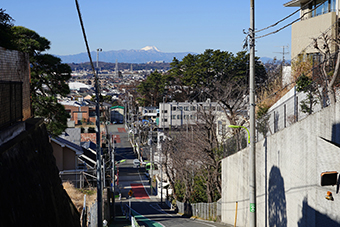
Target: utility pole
(151, 159)
(113, 149)
(116, 68)
(99, 189)
(98, 150)
(161, 153)
(283, 54)
(252, 161)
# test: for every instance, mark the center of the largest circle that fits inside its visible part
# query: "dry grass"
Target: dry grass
(77, 195)
(268, 97)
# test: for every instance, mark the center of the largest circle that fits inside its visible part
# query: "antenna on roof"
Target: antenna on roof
(283, 53)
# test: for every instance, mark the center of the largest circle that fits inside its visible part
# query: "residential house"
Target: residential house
(84, 111)
(317, 16)
(67, 155)
(14, 87)
(149, 113)
(75, 163)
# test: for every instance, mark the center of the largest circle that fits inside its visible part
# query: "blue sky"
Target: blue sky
(171, 26)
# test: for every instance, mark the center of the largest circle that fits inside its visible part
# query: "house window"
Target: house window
(222, 127)
(173, 116)
(193, 108)
(180, 108)
(179, 116)
(174, 108)
(186, 108)
(219, 125)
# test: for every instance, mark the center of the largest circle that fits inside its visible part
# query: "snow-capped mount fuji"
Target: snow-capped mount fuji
(146, 54)
(150, 48)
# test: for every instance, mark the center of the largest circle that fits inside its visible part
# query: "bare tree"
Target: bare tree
(328, 78)
(196, 153)
(181, 163)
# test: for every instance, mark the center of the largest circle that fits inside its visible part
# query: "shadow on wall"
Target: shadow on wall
(276, 199)
(320, 219)
(336, 134)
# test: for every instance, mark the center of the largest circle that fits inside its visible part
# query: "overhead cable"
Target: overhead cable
(258, 37)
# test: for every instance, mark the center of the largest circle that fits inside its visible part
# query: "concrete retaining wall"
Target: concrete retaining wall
(288, 168)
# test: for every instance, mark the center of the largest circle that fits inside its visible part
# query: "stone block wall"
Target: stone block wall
(31, 192)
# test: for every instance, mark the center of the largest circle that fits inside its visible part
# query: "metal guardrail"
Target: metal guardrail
(10, 102)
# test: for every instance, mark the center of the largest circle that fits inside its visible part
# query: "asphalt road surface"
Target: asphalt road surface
(145, 207)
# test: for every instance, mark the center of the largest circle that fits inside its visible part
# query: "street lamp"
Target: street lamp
(239, 126)
(98, 50)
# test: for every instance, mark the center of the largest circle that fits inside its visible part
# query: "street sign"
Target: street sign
(252, 207)
(130, 193)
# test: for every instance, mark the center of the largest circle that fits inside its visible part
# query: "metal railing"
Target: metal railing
(207, 211)
(10, 102)
(285, 114)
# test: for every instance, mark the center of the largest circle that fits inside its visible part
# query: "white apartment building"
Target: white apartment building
(176, 114)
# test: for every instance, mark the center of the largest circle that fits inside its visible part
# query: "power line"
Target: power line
(278, 21)
(262, 36)
(99, 185)
(285, 17)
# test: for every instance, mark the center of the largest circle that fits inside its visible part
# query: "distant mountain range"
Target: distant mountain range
(144, 55)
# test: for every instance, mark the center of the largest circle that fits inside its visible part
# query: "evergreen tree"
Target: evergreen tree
(48, 76)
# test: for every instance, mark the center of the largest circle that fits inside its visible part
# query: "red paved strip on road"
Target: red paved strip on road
(121, 130)
(116, 138)
(139, 191)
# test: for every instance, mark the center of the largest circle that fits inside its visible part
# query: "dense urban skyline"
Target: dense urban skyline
(171, 26)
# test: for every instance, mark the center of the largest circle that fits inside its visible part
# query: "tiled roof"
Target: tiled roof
(72, 135)
(78, 149)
